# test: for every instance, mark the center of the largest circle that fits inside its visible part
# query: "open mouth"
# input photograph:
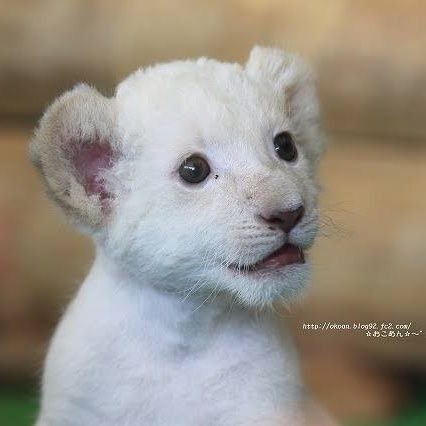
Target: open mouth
(288, 254)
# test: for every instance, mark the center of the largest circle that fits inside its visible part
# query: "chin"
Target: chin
(260, 289)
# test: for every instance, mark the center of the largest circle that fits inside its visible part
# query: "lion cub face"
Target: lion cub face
(197, 176)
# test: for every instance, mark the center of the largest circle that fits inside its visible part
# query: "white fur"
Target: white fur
(161, 331)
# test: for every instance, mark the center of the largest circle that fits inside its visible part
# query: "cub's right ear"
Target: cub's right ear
(74, 148)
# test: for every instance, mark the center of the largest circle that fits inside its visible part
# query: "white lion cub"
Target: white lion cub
(197, 183)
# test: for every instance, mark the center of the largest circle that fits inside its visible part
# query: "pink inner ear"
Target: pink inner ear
(90, 161)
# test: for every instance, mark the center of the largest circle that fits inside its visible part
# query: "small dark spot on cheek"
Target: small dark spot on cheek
(249, 197)
(216, 176)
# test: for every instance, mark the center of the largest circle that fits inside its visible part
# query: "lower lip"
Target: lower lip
(286, 255)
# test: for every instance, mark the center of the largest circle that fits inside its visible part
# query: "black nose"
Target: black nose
(285, 220)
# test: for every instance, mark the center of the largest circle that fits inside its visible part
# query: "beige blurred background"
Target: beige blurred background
(370, 261)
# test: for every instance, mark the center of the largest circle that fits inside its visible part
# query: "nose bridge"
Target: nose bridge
(254, 184)
(268, 192)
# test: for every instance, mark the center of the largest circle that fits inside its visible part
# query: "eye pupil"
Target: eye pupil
(285, 147)
(194, 169)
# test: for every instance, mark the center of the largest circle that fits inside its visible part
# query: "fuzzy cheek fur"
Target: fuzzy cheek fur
(112, 165)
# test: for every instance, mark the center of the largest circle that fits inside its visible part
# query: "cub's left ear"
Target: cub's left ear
(74, 149)
(290, 77)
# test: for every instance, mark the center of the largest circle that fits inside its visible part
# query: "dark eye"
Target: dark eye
(194, 169)
(285, 147)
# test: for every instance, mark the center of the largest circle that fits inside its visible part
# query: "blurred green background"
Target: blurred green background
(369, 262)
